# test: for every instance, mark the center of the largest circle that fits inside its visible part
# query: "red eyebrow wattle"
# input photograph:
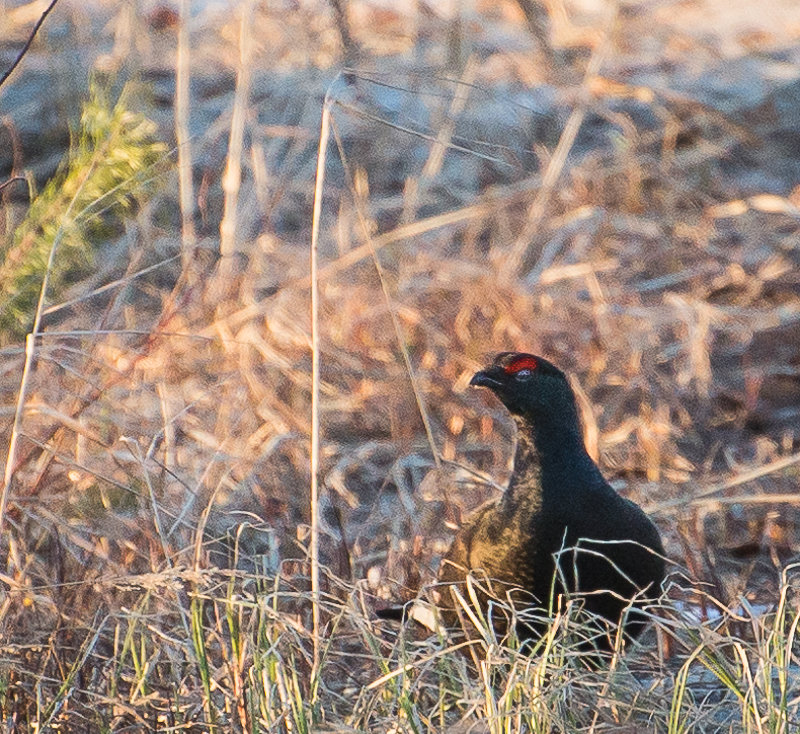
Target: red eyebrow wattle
(523, 363)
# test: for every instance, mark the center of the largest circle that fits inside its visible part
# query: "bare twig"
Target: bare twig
(324, 134)
(28, 42)
(118, 283)
(30, 347)
(182, 136)
(231, 180)
(343, 26)
(748, 476)
(10, 181)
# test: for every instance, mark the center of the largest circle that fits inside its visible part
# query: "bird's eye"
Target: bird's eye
(525, 372)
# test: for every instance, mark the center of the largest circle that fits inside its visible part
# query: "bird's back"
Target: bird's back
(603, 542)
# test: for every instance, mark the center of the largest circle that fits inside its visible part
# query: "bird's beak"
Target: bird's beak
(485, 378)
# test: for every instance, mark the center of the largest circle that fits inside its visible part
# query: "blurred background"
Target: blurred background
(615, 186)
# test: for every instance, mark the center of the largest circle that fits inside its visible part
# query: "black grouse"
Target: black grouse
(557, 506)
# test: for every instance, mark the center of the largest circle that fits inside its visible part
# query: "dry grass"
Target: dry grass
(156, 538)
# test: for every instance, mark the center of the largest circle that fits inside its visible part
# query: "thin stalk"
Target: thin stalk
(232, 178)
(324, 135)
(30, 346)
(28, 43)
(387, 296)
(185, 188)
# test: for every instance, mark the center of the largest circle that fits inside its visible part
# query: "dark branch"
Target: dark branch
(28, 42)
(11, 181)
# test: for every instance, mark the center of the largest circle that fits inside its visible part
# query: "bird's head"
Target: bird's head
(529, 386)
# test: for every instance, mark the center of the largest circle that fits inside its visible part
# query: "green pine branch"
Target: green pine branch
(81, 207)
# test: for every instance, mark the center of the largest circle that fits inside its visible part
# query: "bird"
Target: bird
(559, 528)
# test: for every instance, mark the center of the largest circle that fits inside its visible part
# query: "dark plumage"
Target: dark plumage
(556, 500)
